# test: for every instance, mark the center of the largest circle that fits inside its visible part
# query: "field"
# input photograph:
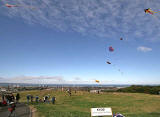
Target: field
(79, 104)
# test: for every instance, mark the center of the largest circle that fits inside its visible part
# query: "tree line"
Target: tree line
(141, 89)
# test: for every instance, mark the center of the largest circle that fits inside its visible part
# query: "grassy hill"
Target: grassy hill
(79, 104)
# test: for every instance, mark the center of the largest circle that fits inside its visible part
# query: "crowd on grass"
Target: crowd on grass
(10, 100)
(45, 99)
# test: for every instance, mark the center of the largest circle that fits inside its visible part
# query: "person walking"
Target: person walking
(11, 109)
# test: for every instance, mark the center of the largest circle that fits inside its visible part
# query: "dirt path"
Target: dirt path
(22, 110)
(33, 111)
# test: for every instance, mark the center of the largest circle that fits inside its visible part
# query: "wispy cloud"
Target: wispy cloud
(44, 80)
(144, 49)
(77, 78)
(34, 79)
(103, 18)
(60, 80)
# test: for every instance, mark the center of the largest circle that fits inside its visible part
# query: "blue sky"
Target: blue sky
(52, 41)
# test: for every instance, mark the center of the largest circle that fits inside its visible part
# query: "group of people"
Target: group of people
(37, 99)
(10, 100)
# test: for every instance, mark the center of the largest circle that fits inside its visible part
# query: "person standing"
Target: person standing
(3, 97)
(37, 99)
(17, 97)
(44, 99)
(12, 98)
(28, 97)
(31, 98)
(53, 100)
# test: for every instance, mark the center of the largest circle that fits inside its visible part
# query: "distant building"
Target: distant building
(3, 90)
(94, 91)
(16, 86)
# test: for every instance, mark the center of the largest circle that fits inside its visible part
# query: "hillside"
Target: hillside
(79, 104)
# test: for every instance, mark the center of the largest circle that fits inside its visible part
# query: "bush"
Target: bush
(141, 89)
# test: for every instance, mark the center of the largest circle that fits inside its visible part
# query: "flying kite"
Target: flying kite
(111, 49)
(97, 81)
(10, 6)
(150, 11)
(27, 6)
(108, 62)
(121, 38)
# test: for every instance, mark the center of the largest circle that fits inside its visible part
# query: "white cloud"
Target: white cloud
(103, 18)
(34, 79)
(60, 80)
(144, 49)
(77, 78)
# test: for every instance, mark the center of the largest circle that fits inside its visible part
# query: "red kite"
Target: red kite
(9, 5)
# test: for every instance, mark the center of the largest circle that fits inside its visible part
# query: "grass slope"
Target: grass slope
(79, 104)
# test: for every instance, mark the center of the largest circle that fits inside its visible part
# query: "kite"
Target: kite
(27, 6)
(121, 38)
(9, 5)
(111, 49)
(108, 62)
(97, 81)
(150, 11)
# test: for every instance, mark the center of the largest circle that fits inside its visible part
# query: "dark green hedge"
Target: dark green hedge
(141, 89)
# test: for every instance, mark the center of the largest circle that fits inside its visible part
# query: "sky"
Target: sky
(59, 41)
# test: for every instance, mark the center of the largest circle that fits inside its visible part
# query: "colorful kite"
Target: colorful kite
(97, 81)
(10, 6)
(27, 6)
(111, 49)
(150, 11)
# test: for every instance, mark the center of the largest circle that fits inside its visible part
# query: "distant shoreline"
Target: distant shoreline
(71, 85)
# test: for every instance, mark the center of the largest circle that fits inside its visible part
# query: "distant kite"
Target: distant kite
(108, 62)
(150, 11)
(121, 38)
(97, 81)
(10, 6)
(111, 49)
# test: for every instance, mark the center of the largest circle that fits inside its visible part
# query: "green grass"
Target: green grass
(79, 104)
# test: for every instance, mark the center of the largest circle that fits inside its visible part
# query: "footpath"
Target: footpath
(21, 110)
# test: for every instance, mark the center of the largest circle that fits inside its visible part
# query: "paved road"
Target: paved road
(22, 110)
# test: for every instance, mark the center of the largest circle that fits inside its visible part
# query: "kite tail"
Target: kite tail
(156, 18)
(156, 12)
(118, 69)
